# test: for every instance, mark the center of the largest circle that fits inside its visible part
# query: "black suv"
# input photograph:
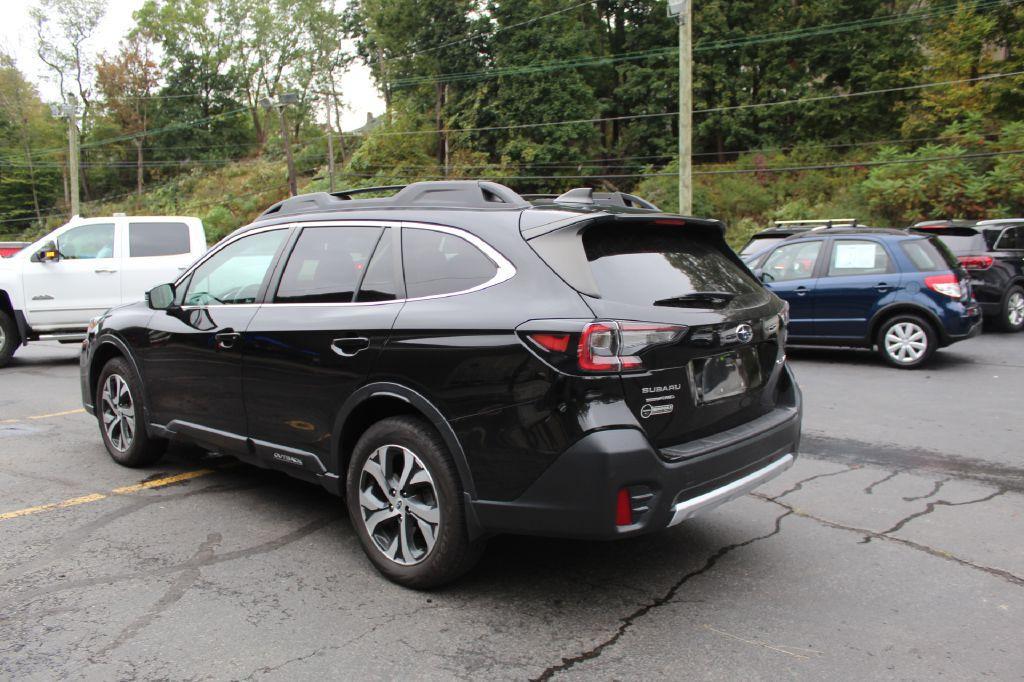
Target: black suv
(992, 252)
(458, 362)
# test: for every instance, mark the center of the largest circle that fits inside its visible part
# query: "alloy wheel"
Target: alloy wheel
(1015, 309)
(906, 342)
(399, 504)
(3, 339)
(118, 410)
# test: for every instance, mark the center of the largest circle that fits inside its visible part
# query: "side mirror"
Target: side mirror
(160, 297)
(47, 254)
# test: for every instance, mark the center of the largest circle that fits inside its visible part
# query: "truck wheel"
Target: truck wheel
(1012, 319)
(906, 341)
(121, 417)
(9, 338)
(405, 503)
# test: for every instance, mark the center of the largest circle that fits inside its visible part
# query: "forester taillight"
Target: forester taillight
(612, 346)
(976, 262)
(947, 285)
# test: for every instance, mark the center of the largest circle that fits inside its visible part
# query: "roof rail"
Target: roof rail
(819, 224)
(587, 195)
(439, 194)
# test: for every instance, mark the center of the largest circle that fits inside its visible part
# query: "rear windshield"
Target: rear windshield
(759, 244)
(646, 264)
(961, 241)
(930, 254)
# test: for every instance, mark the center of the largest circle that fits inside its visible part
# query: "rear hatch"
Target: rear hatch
(699, 336)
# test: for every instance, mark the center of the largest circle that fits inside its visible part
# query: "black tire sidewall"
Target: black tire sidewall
(929, 332)
(452, 553)
(1004, 315)
(11, 337)
(143, 450)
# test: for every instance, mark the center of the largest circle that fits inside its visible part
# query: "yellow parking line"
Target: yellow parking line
(80, 410)
(96, 497)
(56, 505)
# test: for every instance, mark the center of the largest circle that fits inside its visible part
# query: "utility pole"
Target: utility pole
(282, 101)
(69, 110)
(683, 11)
(330, 154)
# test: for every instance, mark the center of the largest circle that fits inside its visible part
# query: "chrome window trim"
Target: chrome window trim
(504, 268)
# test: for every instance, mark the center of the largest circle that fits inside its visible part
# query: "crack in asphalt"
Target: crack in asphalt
(938, 486)
(870, 490)
(800, 484)
(262, 548)
(930, 507)
(182, 583)
(628, 621)
(997, 572)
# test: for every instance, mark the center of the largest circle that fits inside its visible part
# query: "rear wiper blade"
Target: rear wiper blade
(699, 299)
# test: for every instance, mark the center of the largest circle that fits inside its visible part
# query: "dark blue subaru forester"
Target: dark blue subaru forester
(904, 293)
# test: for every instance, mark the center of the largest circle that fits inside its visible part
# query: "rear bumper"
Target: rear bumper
(968, 325)
(577, 496)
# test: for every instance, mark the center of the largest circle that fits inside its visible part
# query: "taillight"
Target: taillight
(947, 285)
(976, 262)
(614, 346)
(556, 343)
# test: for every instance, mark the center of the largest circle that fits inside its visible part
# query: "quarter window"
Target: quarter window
(87, 242)
(440, 263)
(157, 239)
(327, 264)
(234, 274)
(1012, 239)
(857, 257)
(792, 261)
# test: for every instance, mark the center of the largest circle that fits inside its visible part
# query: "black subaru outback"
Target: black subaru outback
(458, 362)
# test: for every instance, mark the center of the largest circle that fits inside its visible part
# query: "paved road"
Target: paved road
(891, 550)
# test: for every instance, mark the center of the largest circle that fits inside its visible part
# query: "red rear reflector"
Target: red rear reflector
(623, 509)
(976, 262)
(556, 343)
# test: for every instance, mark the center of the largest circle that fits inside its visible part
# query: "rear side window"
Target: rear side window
(440, 263)
(327, 264)
(157, 239)
(857, 257)
(929, 255)
(643, 264)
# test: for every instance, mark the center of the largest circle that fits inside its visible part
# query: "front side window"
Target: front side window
(793, 261)
(857, 257)
(327, 264)
(440, 263)
(157, 239)
(87, 242)
(234, 274)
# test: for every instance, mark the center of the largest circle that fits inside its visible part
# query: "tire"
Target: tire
(9, 338)
(1011, 317)
(906, 341)
(410, 446)
(121, 417)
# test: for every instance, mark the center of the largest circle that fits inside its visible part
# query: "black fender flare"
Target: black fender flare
(422, 405)
(910, 308)
(110, 339)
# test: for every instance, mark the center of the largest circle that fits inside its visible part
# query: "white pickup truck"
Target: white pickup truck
(51, 289)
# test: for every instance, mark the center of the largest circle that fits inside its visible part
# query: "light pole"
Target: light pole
(69, 110)
(284, 100)
(683, 10)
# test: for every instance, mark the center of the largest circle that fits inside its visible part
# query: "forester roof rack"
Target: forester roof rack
(822, 224)
(440, 194)
(587, 195)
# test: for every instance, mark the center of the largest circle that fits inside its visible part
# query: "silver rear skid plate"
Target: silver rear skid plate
(730, 491)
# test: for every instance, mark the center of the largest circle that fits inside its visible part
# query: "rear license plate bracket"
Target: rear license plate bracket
(725, 375)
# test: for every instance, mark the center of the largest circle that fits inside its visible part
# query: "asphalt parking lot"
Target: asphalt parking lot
(893, 549)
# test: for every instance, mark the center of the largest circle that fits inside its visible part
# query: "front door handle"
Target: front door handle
(104, 271)
(349, 345)
(801, 290)
(227, 339)
(882, 286)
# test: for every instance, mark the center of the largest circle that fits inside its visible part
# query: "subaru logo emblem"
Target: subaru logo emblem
(744, 333)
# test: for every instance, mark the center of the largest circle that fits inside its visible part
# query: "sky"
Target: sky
(17, 37)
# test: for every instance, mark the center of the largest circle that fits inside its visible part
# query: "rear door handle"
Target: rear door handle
(227, 338)
(104, 271)
(349, 345)
(882, 286)
(801, 290)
